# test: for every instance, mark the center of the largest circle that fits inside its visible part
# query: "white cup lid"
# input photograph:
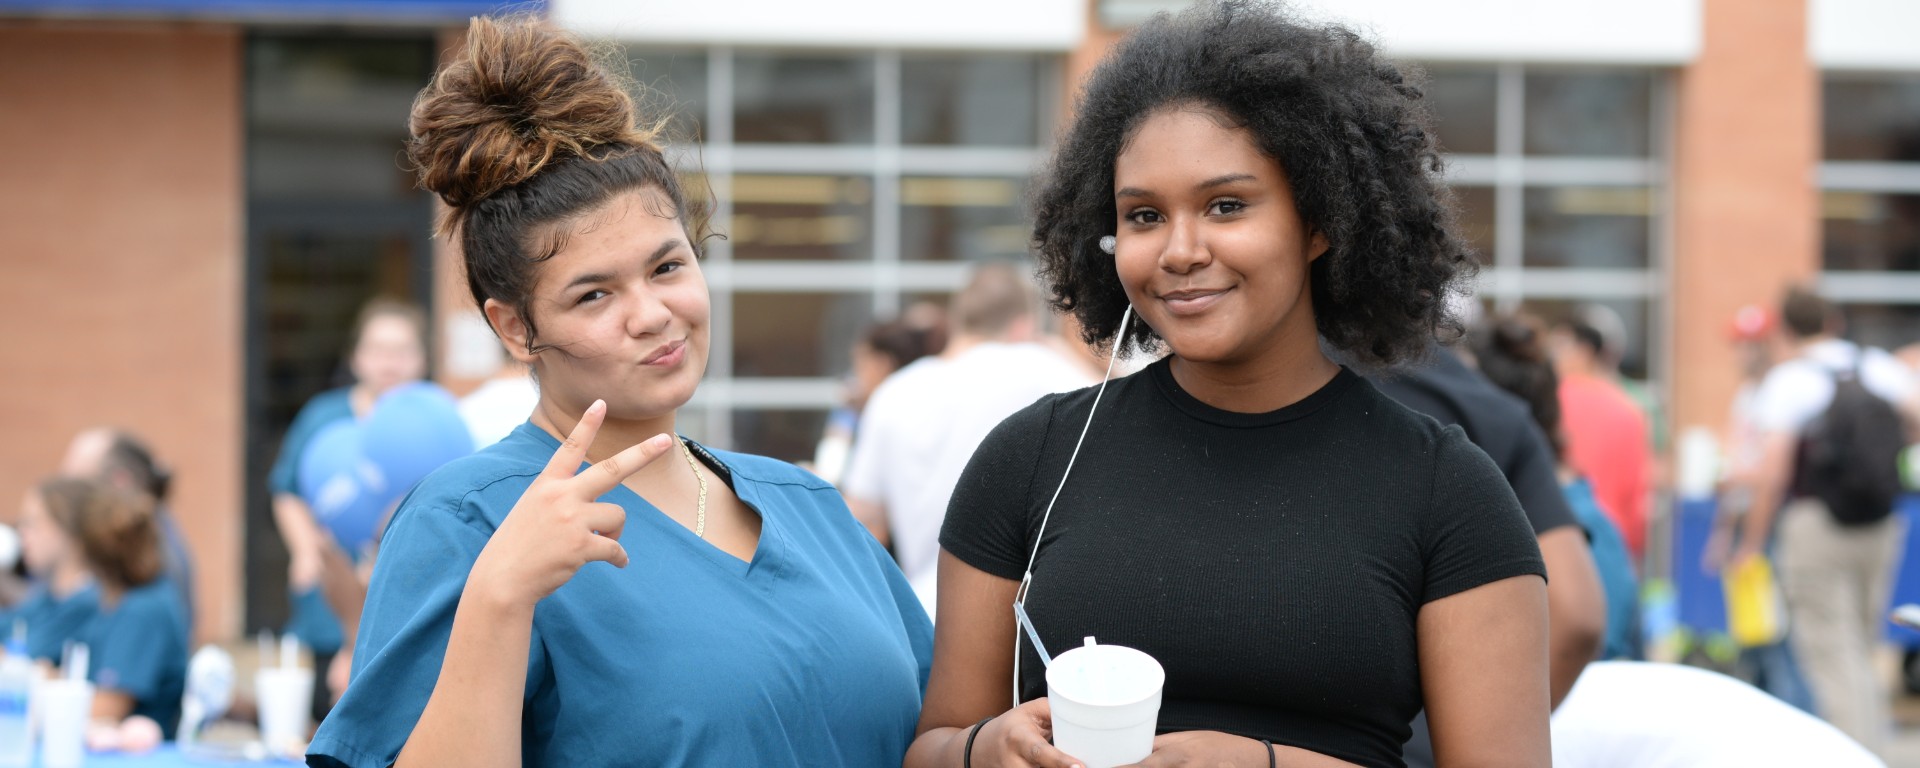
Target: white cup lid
(1105, 675)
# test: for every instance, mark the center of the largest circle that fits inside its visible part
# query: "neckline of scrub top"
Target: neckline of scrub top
(746, 492)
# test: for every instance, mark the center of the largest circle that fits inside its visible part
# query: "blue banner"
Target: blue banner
(274, 10)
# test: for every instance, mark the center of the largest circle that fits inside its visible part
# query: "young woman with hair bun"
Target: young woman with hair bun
(592, 590)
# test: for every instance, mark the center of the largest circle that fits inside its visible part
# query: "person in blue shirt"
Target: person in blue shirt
(590, 590)
(388, 350)
(137, 641)
(63, 597)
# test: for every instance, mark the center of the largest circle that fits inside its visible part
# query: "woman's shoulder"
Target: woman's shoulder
(481, 487)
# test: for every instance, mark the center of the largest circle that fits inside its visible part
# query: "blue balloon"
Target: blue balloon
(347, 493)
(412, 431)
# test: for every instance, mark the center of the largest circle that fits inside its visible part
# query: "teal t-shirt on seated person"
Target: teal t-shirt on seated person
(814, 653)
(139, 647)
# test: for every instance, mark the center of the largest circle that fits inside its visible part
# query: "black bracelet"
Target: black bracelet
(1270, 762)
(966, 758)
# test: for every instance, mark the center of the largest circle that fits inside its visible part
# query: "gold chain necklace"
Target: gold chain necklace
(700, 523)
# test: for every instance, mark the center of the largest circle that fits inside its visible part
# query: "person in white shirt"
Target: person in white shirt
(1837, 577)
(923, 423)
(1646, 715)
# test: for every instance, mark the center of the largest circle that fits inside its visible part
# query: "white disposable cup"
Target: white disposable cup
(66, 709)
(285, 699)
(1106, 702)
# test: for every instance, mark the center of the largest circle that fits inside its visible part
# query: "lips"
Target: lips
(1192, 301)
(668, 354)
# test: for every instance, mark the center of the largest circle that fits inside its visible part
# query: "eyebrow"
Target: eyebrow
(667, 247)
(1217, 181)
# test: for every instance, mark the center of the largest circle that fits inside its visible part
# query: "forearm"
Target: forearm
(1576, 608)
(938, 748)
(473, 716)
(302, 538)
(340, 584)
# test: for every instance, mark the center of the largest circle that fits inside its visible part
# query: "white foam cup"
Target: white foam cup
(66, 709)
(1106, 702)
(285, 698)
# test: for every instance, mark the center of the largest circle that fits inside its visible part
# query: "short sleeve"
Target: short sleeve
(128, 655)
(1473, 531)
(284, 478)
(1792, 394)
(1530, 473)
(986, 523)
(424, 560)
(862, 479)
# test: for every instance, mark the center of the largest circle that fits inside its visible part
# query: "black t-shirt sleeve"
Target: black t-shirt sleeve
(986, 524)
(1473, 531)
(1530, 471)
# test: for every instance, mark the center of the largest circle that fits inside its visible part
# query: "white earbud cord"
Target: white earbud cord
(1026, 580)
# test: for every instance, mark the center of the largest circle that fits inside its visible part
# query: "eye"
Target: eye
(1144, 216)
(665, 267)
(590, 296)
(1226, 207)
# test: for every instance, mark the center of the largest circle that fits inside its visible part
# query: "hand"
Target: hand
(1714, 556)
(339, 671)
(1018, 739)
(557, 526)
(1741, 555)
(1205, 748)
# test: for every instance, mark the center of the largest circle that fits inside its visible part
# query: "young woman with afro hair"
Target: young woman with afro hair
(1310, 562)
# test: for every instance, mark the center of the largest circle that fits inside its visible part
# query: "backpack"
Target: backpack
(1850, 454)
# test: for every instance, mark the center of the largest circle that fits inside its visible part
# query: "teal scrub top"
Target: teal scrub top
(310, 618)
(51, 621)
(814, 653)
(139, 647)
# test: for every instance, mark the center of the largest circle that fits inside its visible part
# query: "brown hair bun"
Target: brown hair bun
(522, 96)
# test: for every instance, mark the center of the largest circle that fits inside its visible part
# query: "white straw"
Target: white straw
(77, 662)
(289, 651)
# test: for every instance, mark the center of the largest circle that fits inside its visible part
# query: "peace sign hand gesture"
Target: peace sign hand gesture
(557, 526)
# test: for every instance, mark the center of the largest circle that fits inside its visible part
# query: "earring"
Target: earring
(1107, 243)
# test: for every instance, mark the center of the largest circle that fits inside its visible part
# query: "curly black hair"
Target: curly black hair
(1346, 126)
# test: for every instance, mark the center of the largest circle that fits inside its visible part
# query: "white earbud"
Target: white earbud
(1107, 244)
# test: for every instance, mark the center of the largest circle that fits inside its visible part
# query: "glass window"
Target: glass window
(1631, 315)
(1871, 117)
(1887, 326)
(971, 100)
(1589, 113)
(1587, 227)
(962, 219)
(1474, 212)
(1868, 231)
(1465, 109)
(802, 99)
(801, 217)
(322, 119)
(673, 83)
(796, 334)
(788, 435)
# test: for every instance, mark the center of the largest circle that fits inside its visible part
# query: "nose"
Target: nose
(647, 315)
(1185, 249)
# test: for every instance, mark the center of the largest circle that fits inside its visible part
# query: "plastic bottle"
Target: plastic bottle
(16, 682)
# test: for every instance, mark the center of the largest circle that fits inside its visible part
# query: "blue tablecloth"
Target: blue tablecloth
(1703, 601)
(169, 756)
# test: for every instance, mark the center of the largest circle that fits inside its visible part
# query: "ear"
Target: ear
(1317, 246)
(512, 331)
